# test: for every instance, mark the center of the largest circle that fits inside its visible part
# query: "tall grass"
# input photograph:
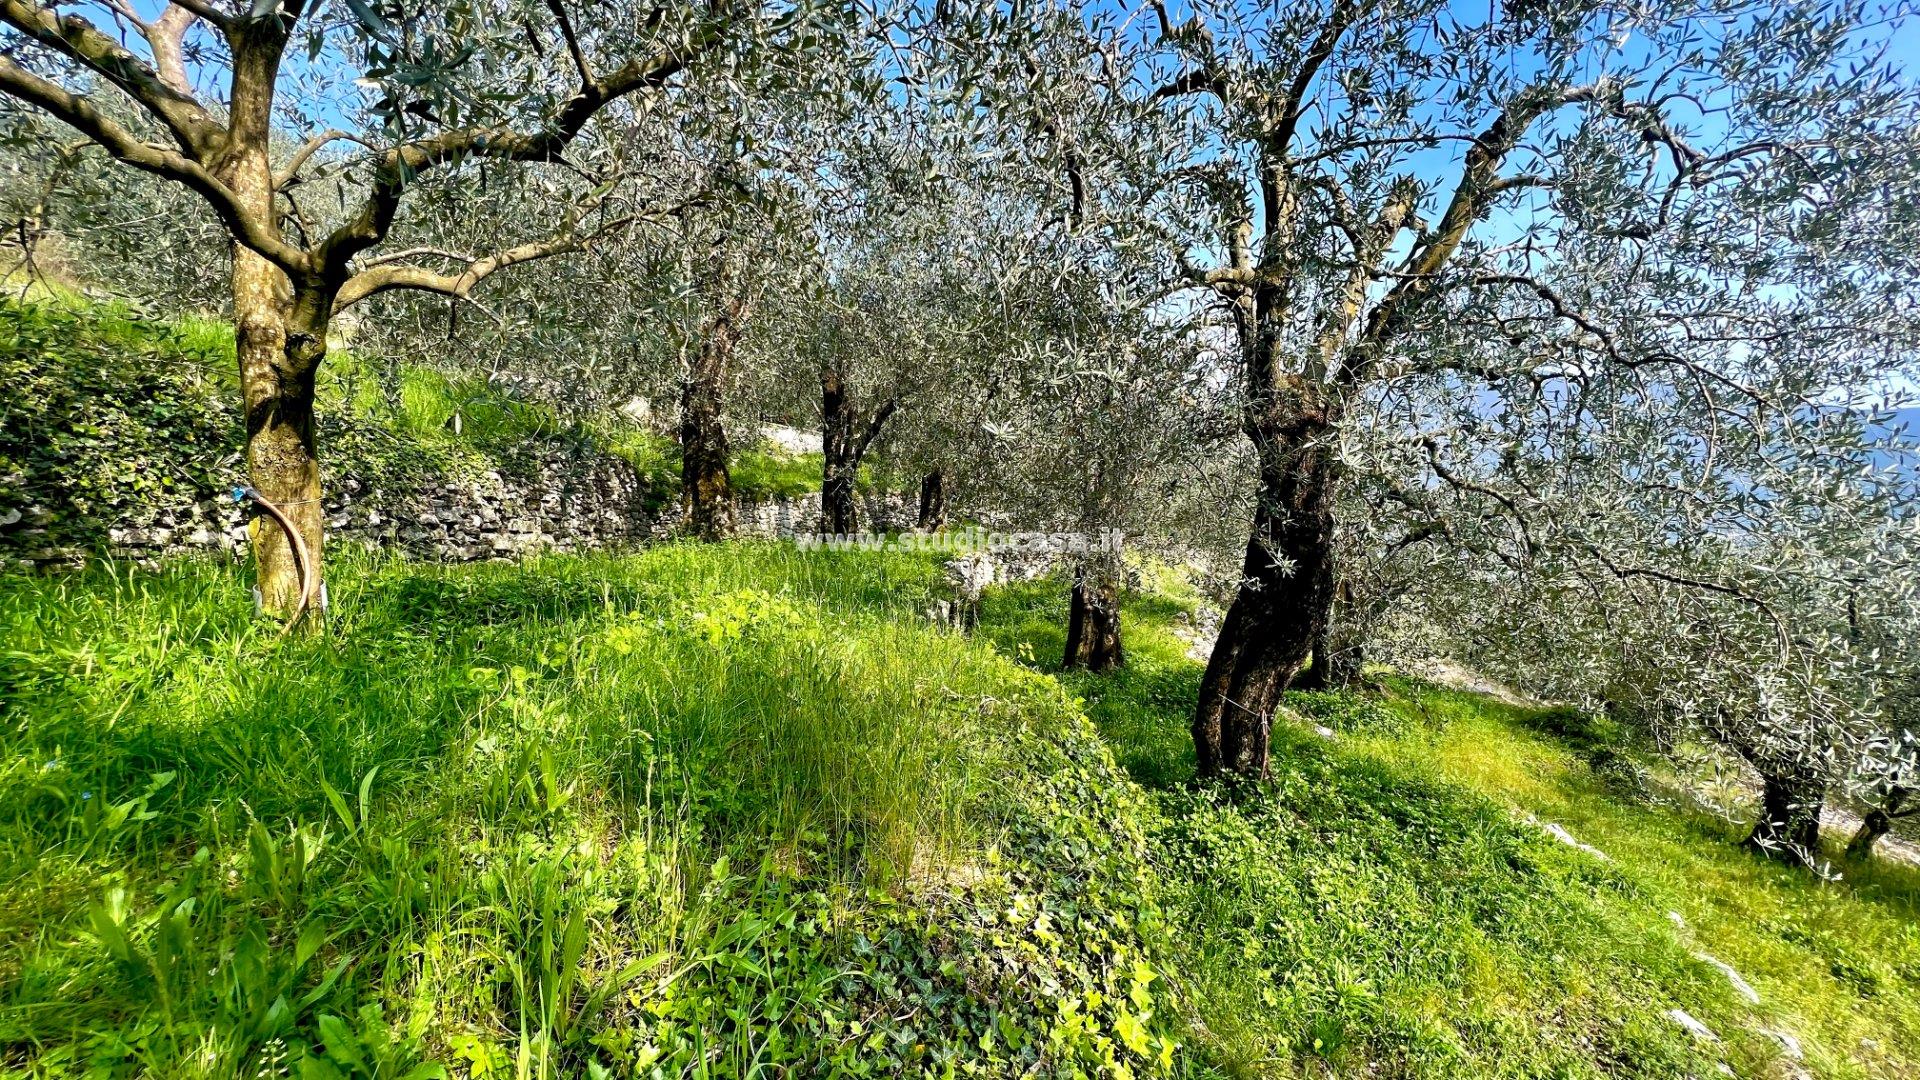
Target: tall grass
(1382, 906)
(690, 810)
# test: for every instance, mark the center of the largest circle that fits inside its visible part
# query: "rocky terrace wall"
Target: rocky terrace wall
(565, 502)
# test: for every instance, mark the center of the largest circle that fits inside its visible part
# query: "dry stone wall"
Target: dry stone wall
(565, 500)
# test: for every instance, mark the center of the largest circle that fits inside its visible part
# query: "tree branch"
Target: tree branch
(1626, 572)
(291, 172)
(196, 132)
(1219, 278)
(78, 113)
(573, 43)
(1561, 309)
(1369, 246)
(1196, 81)
(879, 420)
(400, 166)
(210, 13)
(416, 253)
(386, 276)
(1292, 104)
(167, 38)
(1205, 75)
(1514, 512)
(1479, 181)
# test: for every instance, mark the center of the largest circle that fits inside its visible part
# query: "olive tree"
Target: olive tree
(1691, 197)
(434, 94)
(1763, 610)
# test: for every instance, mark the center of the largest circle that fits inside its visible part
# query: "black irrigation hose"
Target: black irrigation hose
(305, 564)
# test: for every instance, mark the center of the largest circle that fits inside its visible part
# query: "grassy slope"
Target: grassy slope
(1839, 963)
(104, 409)
(738, 806)
(701, 810)
(1379, 908)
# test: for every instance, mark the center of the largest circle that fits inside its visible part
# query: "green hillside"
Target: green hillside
(734, 810)
(707, 809)
(108, 415)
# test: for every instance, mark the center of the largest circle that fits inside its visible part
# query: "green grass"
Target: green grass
(701, 811)
(754, 474)
(652, 455)
(1838, 964)
(735, 810)
(758, 474)
(1382, 908)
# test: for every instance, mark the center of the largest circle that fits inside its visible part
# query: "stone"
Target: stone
(1789, 1045)
(1567, 838)
(1740, 985)
(566, 500)
(1692, 1026)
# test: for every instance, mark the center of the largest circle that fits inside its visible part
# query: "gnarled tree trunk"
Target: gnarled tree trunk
(1093, 622)
(840, 464)
(1339, 649)
(843, 445)
(1286, 587)
(706, 489)
(1337, 660)
(282, 455)
(1789, 824)
(1878, 823)
(280, 339)
(933, 502)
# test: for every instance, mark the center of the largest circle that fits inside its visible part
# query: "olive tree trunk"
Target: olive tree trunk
(843, 445)
(840, 459)
(933, 502)
(1337, 660)
(706, 488)
(280, 338)
(1286, 586)
(1878, 823)
(1093, 622)
(1789, 824)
